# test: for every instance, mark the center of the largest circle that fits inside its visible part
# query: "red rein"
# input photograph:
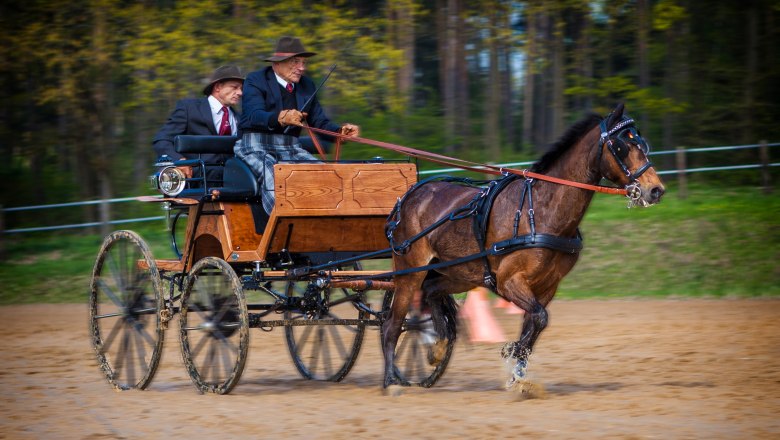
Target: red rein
(458, 163)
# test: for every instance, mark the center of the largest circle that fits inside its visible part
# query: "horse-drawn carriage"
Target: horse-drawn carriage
(303, 268)
(234, 273)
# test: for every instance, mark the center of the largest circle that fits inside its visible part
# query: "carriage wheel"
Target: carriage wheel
(327, 351)
(214, 330)
(124, 311)
(425, 345)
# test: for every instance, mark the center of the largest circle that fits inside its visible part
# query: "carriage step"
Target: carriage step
(166, 265)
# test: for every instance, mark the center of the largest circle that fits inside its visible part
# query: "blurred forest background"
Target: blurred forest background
(86, 84)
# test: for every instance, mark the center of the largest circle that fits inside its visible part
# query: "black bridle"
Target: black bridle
(618, 141)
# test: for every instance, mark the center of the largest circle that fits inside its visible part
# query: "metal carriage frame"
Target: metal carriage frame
(234, 274)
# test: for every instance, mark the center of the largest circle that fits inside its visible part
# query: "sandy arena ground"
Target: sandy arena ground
(611, 369)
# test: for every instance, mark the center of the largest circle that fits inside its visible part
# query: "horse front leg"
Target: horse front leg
(534, 323)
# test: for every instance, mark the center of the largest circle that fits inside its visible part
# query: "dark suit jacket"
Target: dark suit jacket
(262, 102)
(191, 116)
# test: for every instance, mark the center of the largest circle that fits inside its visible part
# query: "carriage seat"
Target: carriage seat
(197, 144)
(239, 182)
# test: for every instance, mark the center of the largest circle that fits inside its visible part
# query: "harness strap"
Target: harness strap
(529, 241)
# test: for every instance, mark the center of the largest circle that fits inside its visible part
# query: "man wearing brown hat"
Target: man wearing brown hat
(272, 114)
(210, 115)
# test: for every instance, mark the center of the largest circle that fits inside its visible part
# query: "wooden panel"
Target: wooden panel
(340, 189)
(241, 226)
(333, 207)
(323, 234)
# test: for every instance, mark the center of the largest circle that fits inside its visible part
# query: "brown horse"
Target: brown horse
(530, 224)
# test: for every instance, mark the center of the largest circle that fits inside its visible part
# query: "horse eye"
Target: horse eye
(631, 135)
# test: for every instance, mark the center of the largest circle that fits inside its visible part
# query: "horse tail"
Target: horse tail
(444, 310)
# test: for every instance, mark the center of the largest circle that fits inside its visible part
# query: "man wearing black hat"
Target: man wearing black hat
(210, 115)
(272, 114)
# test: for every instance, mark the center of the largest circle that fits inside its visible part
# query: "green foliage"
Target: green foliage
(86, 84)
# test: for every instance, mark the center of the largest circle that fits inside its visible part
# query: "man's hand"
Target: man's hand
(186, 170)
(350, 130)
(291, 117)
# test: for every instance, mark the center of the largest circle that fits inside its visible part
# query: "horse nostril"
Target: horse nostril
(656, 193)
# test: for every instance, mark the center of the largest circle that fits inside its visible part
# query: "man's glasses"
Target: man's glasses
(298, 62)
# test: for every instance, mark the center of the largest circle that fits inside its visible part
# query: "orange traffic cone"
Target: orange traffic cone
(510, 308)
(476, 313)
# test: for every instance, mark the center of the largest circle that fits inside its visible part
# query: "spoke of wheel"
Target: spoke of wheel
(208, 363)
(410, 359)
(220, 337)
(115, 272)
(325, 353)
(226, 359)
(141, 351)
(420, 358)
(128, 354)
(337, 341)
(103, 287)
(120, 354)
(203, 339)
(303, 339)
(110, 339)
(316, 349)
(138, 326)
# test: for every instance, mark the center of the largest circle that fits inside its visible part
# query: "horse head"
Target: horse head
(626, 161)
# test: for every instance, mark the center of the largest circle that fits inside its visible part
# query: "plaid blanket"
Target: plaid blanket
(261, 151)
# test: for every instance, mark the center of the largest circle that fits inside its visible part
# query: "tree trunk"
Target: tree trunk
(558, 73)
(462, 95)
(751, 67)
(492, 99)
(449, 84)
(643, 30)
(530, 84)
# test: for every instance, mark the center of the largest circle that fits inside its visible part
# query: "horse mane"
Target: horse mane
(569, 139)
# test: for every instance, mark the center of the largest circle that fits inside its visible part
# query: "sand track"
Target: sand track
(611, 369)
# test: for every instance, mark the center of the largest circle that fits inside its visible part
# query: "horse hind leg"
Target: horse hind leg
(516, 353)
(391, 328)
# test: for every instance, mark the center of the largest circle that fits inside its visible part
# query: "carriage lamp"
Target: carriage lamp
(170, 181)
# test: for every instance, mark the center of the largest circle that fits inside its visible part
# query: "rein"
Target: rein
(467, 165)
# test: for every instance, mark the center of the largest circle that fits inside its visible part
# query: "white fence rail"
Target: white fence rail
(681, 172)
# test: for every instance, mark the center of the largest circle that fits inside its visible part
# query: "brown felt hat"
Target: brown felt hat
(223, 73)
(288, 47)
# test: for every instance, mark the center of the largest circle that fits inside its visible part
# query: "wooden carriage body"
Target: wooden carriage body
(320, 208)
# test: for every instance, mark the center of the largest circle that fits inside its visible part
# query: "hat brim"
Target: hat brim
(277, 58)
(207, 90)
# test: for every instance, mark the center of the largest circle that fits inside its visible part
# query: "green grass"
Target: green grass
(717, 242)
(720, 241)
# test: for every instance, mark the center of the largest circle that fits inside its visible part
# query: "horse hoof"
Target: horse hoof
(393, 390)
(520, 390)
(437, 351)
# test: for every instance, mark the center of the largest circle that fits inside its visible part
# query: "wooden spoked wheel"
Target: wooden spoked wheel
(426, 342)
(214, 326)
(124, 311)
(326, 349)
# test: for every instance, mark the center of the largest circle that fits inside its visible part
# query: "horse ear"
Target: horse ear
(616, 115)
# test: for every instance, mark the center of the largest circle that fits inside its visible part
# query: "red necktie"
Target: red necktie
(224, 127)
(289, 87)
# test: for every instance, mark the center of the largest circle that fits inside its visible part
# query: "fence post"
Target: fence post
(766, 180)
(682, 177)
(2, 234)
(105, 217)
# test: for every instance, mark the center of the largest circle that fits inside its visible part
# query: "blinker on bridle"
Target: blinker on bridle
(618, 140)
